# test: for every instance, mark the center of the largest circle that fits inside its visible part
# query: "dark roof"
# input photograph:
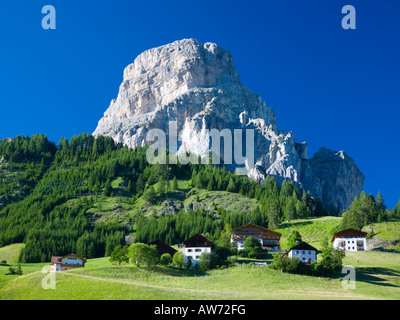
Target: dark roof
(256, 226)
(349, 233)
(302, 246)
(198, 240)
(162, 247)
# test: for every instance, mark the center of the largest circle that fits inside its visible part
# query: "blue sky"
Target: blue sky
(332, 87)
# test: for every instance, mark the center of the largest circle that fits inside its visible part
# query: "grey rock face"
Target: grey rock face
(197, 86)
(334, 177)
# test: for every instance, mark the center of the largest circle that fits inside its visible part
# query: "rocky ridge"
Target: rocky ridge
(196, 86)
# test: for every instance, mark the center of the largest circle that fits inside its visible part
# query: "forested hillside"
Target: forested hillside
(87, 194)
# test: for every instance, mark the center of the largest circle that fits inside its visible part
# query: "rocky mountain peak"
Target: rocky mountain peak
(196, 86)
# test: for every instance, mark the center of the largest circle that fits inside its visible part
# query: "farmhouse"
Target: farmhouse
(269, 239)
(305, 252)
(70, 261)
(162, 247)
(350, 240)
(193, 247)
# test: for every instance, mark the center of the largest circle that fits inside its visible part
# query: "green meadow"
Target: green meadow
(378, 277)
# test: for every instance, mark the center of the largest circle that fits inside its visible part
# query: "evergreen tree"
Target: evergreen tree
(231, 186)
(273, 216)
(150, 195)
(290, 210)
(397, 208)
(108, 189)
(302, 210)
(380, 202)
(175, 184)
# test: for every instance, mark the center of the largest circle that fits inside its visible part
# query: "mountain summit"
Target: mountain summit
(196, 86)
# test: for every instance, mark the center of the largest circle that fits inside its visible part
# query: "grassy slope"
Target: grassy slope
(378, 277)
(388, 232)
(377, 273)
(168, 283)
(123, 208)
(312, 230)
(10, 253)
(101, 280)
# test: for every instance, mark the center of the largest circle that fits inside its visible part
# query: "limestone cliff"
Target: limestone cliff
(197, 86)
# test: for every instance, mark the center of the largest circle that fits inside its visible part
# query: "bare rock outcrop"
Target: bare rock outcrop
(196, 86)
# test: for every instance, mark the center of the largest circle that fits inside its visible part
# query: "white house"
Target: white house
(350, 240)
(70, 261)
(305, 252)
(193, 247)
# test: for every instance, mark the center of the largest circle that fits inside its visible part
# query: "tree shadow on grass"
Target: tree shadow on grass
(179, 272)
(296, 224)
(374, 276)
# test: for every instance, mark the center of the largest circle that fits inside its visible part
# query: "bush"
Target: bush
(165, 259)
(15, 270)
(208, 261)
(178, 259)
(232, 260)
(331, 261)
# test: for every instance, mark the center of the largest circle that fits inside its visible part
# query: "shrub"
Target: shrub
(232, 260)
(15, 270)
(178, 259)
(208, 261)
(165, 259)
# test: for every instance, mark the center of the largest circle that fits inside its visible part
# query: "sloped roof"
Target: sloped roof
(74, 256)
(303, 246)
(57, 259)
(162, 247)
(256, 226)
(198, 238)
(349, 233)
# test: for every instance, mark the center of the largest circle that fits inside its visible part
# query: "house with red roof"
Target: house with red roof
(70, 261)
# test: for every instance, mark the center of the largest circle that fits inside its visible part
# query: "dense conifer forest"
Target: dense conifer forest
(47, 191)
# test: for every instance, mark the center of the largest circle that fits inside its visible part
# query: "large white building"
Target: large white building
(70, 261)
(350, 240)
(305, 252)
(193, 247)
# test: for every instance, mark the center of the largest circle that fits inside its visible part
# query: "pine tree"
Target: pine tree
(108, 189)
(273, 214)
(175, 184)
(231, 186)
(380, 202)
(397, 208)
(150, 195)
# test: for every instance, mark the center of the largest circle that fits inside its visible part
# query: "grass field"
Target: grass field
(377, 274)
(10, 253)
(378, 277)
(312, 230)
